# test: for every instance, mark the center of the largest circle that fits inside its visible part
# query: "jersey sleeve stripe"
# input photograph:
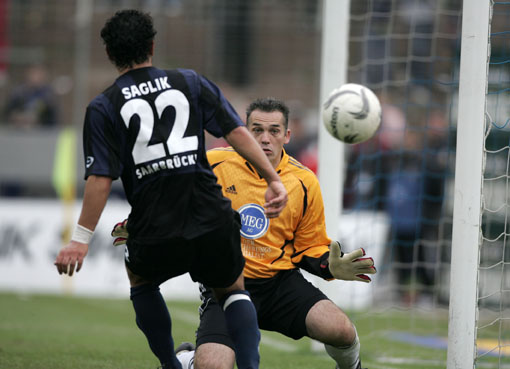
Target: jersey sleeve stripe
(297, 164)
(305, 197)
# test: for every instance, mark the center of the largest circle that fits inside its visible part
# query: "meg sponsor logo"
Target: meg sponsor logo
(254, 223)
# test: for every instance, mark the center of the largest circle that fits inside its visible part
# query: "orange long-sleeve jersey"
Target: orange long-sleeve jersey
(295, 239)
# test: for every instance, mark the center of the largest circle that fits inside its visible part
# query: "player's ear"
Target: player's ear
(152, 49)
(287, 136)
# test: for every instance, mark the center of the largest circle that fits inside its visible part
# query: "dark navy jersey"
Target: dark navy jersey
(148, 129)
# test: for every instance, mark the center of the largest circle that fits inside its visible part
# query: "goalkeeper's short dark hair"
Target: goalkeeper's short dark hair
(128, 36)
(269, 105)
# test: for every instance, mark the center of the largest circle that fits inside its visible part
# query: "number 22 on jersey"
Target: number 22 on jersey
(176, 142)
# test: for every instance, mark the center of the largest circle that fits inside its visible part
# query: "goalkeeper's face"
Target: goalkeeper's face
(270, 132)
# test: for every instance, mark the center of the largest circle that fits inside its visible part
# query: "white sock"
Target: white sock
(345, 357)
(186, 358)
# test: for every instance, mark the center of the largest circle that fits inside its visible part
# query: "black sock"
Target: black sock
(243, 328)
(153, 318)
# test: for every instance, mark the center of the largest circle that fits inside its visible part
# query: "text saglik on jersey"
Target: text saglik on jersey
(145, 88)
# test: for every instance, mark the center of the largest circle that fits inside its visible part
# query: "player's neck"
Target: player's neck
(145, 64)
(277, 160)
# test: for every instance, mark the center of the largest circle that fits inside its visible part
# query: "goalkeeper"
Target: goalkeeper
(276, 250)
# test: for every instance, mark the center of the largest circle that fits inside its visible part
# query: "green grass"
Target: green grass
(63, 332)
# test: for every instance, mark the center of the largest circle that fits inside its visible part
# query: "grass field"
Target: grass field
(64, 332)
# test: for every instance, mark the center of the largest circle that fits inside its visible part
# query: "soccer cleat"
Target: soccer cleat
(358, 367)
(179, 351)
(184, 347)
(185, 353)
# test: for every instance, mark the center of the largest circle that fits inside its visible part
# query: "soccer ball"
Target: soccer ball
(352, 113)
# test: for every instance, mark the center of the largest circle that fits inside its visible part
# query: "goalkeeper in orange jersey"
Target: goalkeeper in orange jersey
(276, 250)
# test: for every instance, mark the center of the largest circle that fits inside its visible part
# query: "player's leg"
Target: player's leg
(215, 348)
(328, 324)
(153, 319)
(208, 356)
(152, 315)
(214, 356)
(220, 264)
(241, 322)
(291, 305)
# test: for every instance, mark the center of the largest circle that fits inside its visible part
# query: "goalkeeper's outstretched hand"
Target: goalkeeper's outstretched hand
(351, 266)
(120, 233)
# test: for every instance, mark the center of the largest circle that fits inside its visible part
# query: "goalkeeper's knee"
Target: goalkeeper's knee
(346, 357)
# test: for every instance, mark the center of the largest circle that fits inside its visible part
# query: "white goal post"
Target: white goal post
(334, 59)
(468, 184)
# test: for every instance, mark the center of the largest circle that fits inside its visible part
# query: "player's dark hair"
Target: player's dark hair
(128, 37)
(269, 105)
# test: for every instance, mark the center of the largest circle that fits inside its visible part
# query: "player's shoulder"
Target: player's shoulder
(221, 154)
(176, 77)
(301, 171)
(297, 167)
(186, 72)
(194, 80)
(191, 76)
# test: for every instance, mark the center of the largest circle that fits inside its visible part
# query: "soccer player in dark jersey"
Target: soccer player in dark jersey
(276, 250)
(148, 129)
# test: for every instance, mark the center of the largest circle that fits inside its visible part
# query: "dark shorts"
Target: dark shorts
(214, 258)
(282, 303)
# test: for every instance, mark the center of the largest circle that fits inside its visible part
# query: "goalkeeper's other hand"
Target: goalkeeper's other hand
(120, 233)
(351, 266)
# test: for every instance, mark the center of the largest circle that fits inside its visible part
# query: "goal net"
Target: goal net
(405, 181)
(493, 302)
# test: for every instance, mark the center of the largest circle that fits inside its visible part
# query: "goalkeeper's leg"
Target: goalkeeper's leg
(345, 357)
(328, 324)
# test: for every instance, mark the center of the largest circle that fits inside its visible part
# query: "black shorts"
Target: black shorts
(214, 258)
(282, 303)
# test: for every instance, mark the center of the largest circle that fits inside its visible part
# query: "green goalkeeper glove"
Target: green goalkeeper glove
(120, 233)
(351, 266)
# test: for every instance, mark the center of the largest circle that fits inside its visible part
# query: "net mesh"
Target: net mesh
(408, 53)
(493, 327)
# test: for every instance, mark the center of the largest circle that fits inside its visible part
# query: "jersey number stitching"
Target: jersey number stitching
(176, 142)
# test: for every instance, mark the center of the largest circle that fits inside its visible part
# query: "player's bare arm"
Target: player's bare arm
(244, 143)
(70, 257)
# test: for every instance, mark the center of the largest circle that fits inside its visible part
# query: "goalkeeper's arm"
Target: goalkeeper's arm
(337, 265)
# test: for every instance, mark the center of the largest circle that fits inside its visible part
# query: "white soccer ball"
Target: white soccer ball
(352, 113)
